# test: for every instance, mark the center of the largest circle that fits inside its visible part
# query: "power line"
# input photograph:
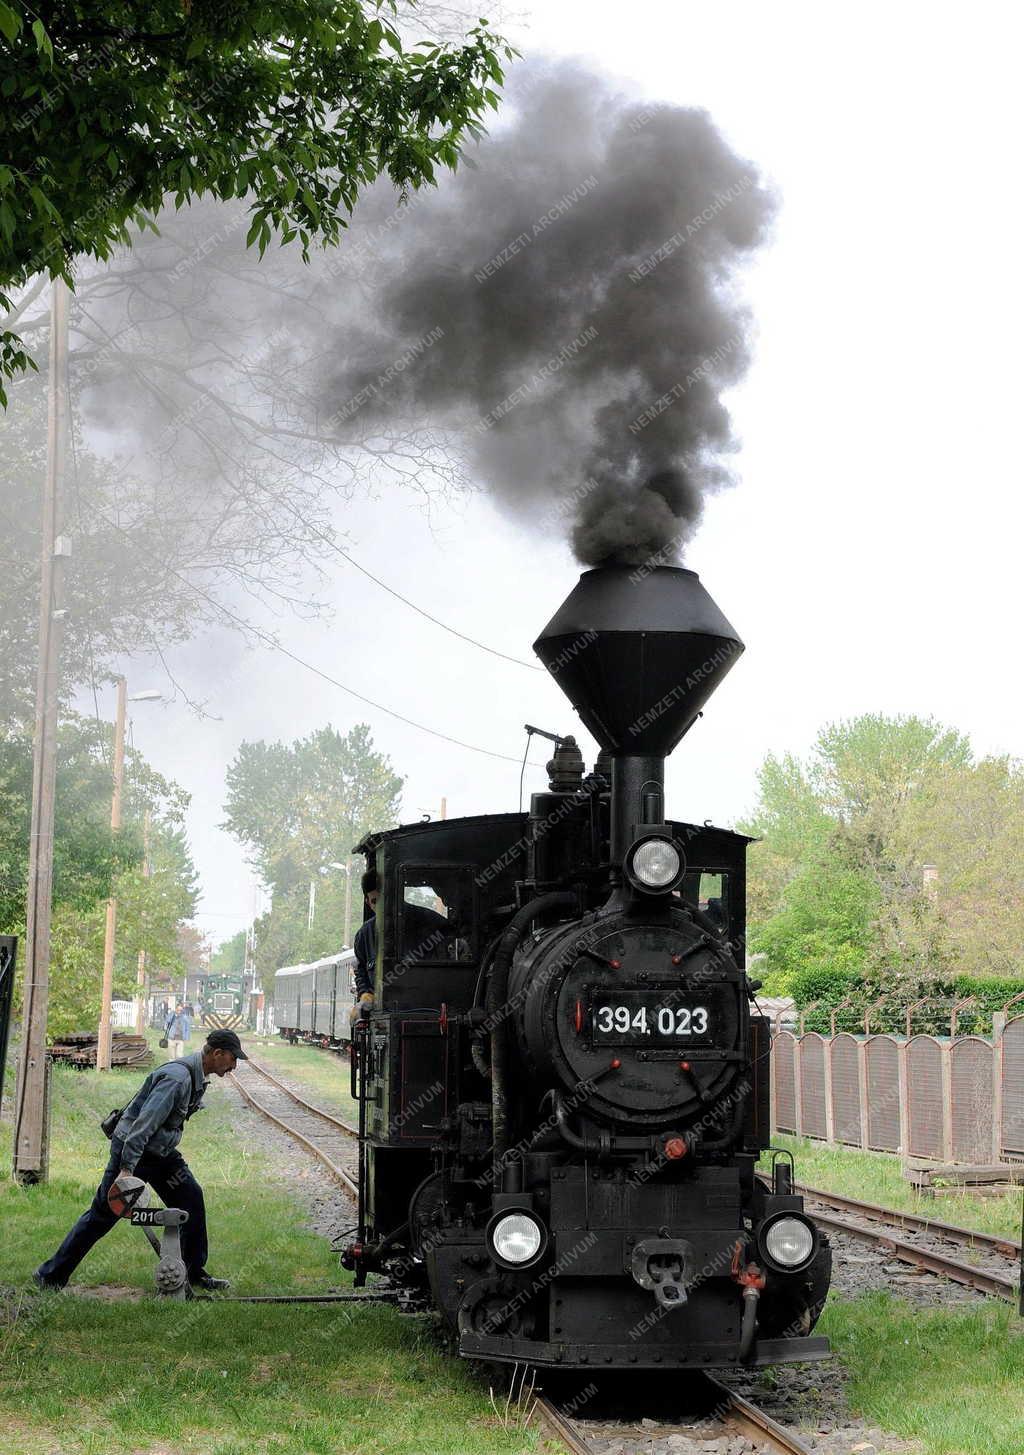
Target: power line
(323, 536)
(531, 666)
(276, 646)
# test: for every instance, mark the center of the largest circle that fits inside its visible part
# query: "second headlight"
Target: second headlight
(789, 1241)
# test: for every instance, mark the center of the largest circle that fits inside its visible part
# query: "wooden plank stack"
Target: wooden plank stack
(79, 1049)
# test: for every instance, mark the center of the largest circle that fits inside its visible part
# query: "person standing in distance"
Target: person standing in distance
(178, 1031)
(144, 1144)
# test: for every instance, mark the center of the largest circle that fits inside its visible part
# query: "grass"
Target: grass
(878, 1177)
(322, 1073)
(108, 1376)
(951, 1380)
(92, 1376)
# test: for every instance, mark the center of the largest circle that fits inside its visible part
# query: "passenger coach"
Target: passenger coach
(312, 1002)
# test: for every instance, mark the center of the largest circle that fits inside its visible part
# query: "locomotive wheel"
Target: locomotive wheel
(486, 1308)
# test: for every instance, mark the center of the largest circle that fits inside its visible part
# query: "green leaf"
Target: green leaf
(10, 21)
(43, 43)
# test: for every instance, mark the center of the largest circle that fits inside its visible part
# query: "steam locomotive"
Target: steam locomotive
(563, 1083)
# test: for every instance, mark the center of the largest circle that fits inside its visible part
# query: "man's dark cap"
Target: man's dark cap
(368, 883)
(226, 1041)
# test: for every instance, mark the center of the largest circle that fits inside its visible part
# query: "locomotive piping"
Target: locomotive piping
(636, 780)
(497, 994)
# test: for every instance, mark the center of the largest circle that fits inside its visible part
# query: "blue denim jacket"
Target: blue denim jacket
(155, 1118)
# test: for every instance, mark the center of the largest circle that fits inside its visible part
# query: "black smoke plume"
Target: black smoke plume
(569, 302)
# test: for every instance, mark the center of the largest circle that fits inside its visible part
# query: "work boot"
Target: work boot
(207, 1284)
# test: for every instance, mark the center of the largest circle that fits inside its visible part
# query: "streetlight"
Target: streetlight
(103, 1038)
(346, 869)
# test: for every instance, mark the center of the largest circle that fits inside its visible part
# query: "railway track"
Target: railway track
(326, 1136)
(922, 1245)
(719, 1411)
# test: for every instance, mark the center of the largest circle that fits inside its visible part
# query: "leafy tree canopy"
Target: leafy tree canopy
(155, 890)
(301, 805)
(295, 106)
(837, 883)
(229, 957)
(298, 808)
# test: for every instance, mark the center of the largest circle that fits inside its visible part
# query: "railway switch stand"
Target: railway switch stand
(171, 1278)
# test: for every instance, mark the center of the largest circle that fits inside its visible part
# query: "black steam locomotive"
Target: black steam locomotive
(563, 1084)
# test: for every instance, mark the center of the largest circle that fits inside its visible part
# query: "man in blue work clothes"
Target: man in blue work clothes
(144, 1144)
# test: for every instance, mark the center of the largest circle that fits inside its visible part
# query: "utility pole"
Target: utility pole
(140, 974)
(31, 1109)
(348, 899)
(103, 1043)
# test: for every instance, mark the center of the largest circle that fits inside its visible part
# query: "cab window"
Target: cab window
(437, 919)
(708, 889)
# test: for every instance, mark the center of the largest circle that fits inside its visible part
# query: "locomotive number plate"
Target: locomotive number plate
(652, 1018)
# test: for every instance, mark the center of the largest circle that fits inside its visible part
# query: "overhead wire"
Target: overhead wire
(277, 646)
(333, 545)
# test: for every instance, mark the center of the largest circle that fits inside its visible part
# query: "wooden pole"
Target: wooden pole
(140, 974)
(348, 900)
(30, 1103)
(103, 1043)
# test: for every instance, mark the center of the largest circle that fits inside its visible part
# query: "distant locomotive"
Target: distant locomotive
(222, 1002)
(564, 1081)
(313, 1002)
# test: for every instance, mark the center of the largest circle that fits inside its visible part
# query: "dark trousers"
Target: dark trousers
(171, 1180)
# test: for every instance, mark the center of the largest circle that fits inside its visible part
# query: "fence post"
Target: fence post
(862, 1086)
(901, 1065)
(998, 1026)
(798, 1085)
(830, 1111)
(946, 1064)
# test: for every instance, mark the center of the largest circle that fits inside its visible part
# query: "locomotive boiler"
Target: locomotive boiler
(564, 1081)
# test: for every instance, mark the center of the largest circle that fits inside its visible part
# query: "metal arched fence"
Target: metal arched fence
(952, 1101)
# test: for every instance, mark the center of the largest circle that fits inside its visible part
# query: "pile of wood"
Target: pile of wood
(79, 1049)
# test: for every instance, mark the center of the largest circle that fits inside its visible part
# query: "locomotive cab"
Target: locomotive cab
(564, 1079)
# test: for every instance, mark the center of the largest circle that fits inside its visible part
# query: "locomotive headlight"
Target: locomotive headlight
(517, 1239)
(788, 1241)
(655, 863)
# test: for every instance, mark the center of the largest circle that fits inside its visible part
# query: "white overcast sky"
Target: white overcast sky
(870, 556)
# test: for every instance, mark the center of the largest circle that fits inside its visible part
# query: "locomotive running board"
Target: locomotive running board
(631, 1356)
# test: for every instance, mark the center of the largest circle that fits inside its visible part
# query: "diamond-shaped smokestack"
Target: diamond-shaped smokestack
(638, 652)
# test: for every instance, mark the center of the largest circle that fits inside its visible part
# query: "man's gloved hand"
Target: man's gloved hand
(361, 1009)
